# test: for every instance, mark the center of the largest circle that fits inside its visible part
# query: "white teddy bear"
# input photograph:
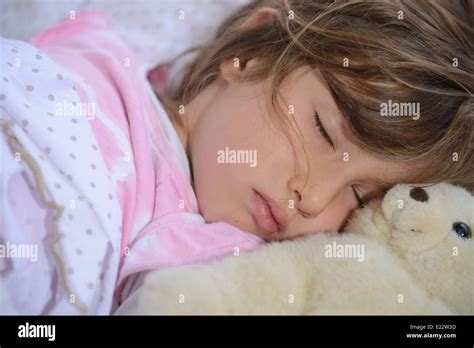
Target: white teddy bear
(410, 253)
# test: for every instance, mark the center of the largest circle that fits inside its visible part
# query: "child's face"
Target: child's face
(230, 116)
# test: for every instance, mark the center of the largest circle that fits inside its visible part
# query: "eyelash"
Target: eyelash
(327, 138)
(360, 199)
(321, 130)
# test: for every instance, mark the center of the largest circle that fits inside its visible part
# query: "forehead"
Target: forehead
(306, 79)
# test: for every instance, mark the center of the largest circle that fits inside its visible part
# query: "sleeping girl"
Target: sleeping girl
(294, 115)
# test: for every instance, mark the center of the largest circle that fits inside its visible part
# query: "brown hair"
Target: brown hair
(403, 51)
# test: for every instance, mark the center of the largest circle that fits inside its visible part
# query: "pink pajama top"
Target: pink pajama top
(160, 221)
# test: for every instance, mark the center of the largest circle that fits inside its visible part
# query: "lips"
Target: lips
(270, 218)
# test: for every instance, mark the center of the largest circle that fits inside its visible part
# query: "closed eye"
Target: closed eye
(358, 194)
(322, 131)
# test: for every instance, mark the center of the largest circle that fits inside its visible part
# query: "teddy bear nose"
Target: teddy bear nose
(418, 194)
(462, 230)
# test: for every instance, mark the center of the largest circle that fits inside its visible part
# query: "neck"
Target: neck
(177, 121)
(180, 125)
(185, 123)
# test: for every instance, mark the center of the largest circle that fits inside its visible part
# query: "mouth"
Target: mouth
(270, 218)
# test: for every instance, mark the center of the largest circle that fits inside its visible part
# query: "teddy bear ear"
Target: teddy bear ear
(419, 194)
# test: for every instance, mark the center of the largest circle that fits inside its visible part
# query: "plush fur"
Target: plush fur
(414, 262)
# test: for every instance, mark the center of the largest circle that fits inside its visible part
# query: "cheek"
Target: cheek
(220, 185)
(224, 190)
(233, 122)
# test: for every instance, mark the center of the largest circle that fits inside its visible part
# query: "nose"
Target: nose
(418, 194)
(311, 198)
(304, 213)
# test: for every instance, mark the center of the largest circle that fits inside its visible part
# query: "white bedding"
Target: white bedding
(152, 28)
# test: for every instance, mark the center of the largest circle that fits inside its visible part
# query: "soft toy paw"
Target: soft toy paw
(410, 253)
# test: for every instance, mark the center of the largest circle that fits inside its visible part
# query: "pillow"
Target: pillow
(156, 30)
